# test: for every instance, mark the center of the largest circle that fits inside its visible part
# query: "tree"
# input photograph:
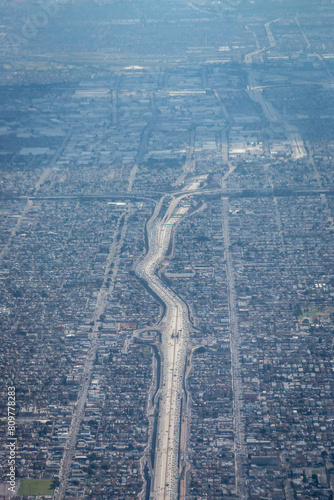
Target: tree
(55, 483)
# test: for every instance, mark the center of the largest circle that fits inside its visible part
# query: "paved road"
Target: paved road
(291, 131)
(143, 143)
(175, 334)
(78, 414)
(239, 440)
(47, 172)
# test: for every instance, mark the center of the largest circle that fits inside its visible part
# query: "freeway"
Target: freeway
(272, 115)
(175, 334)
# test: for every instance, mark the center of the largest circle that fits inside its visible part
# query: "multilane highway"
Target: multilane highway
(175, 333)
